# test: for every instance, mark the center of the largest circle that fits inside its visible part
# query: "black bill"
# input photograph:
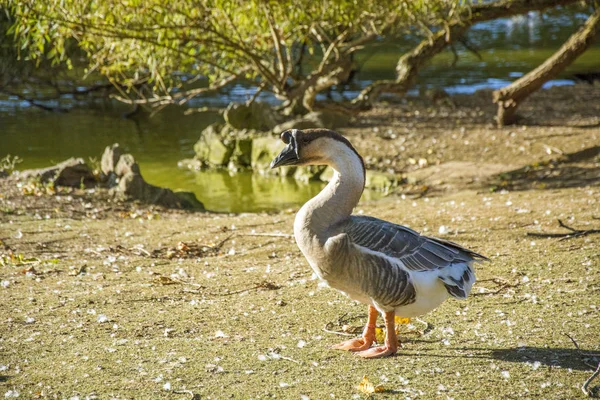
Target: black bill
(289, 155)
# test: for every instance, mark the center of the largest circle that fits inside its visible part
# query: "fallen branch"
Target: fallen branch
(283, 235)
(510, 97)
(267, 285)
(184, 250)
(593, 392)
(409, 64)
(565, 236)
(584, 355)
(326, 329)
(498, 281)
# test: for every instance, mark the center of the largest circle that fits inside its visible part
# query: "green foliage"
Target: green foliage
(167, 42)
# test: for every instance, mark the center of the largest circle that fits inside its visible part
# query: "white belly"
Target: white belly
(430, 293)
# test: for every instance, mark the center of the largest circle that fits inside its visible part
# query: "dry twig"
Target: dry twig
(283, 235)
(564, 236)
(503, 284)
(593, 392)
(267, 285)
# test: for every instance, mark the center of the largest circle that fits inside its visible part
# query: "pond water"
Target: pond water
(508, 47)
(43, 138)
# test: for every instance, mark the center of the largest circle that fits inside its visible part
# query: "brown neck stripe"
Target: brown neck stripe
(308, 135)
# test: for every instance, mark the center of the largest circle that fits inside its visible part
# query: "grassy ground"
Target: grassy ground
(98, 305)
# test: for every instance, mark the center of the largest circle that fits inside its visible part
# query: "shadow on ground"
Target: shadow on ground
(551, 357)
(577, 169)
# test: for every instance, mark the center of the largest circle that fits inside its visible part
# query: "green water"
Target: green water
(158, 143)
(508, 48)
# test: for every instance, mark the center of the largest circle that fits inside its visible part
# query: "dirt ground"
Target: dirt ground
(103, 299)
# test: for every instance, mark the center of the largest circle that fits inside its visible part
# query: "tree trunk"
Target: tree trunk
(409, 64)
(301, 99)
(511, 96)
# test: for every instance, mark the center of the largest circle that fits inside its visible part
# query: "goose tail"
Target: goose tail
(458, 278)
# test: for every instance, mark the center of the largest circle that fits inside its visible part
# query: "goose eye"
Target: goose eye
(286, 137)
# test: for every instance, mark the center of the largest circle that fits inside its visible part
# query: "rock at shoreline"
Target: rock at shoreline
(110, 158)
(221, 146)
(129, 183)
(242, 152)
(213, 148)
(73, 172)
(121, 174)
(256, 115)
(264, 150)
(133, 186)
(242, 143)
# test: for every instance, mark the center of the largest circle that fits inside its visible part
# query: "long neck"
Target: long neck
(336, 201)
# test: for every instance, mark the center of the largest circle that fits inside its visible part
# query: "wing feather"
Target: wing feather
(416, 252)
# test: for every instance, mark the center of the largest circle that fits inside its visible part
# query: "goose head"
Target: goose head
(314, 147)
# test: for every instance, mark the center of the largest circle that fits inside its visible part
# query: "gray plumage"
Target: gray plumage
(387, 266)
(415, 253)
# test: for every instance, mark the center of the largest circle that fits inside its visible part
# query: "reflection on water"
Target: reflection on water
(251, 192)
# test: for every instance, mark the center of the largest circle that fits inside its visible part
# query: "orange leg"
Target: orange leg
(391, 340)
(368, 337)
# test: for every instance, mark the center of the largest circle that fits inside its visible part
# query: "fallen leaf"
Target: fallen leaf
(380, 332)
(170, 253)
(379, 335)
(80, 271)
(368, 388)
(164, 280)
(29, 270)
(183, 247)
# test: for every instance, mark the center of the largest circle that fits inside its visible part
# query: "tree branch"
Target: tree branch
(409, 64)
(178, 98)
(277, 43)
(510, 97)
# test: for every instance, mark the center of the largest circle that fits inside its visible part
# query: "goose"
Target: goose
(389, 267)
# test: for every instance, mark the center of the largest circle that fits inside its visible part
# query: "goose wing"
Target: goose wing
(416, 252)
